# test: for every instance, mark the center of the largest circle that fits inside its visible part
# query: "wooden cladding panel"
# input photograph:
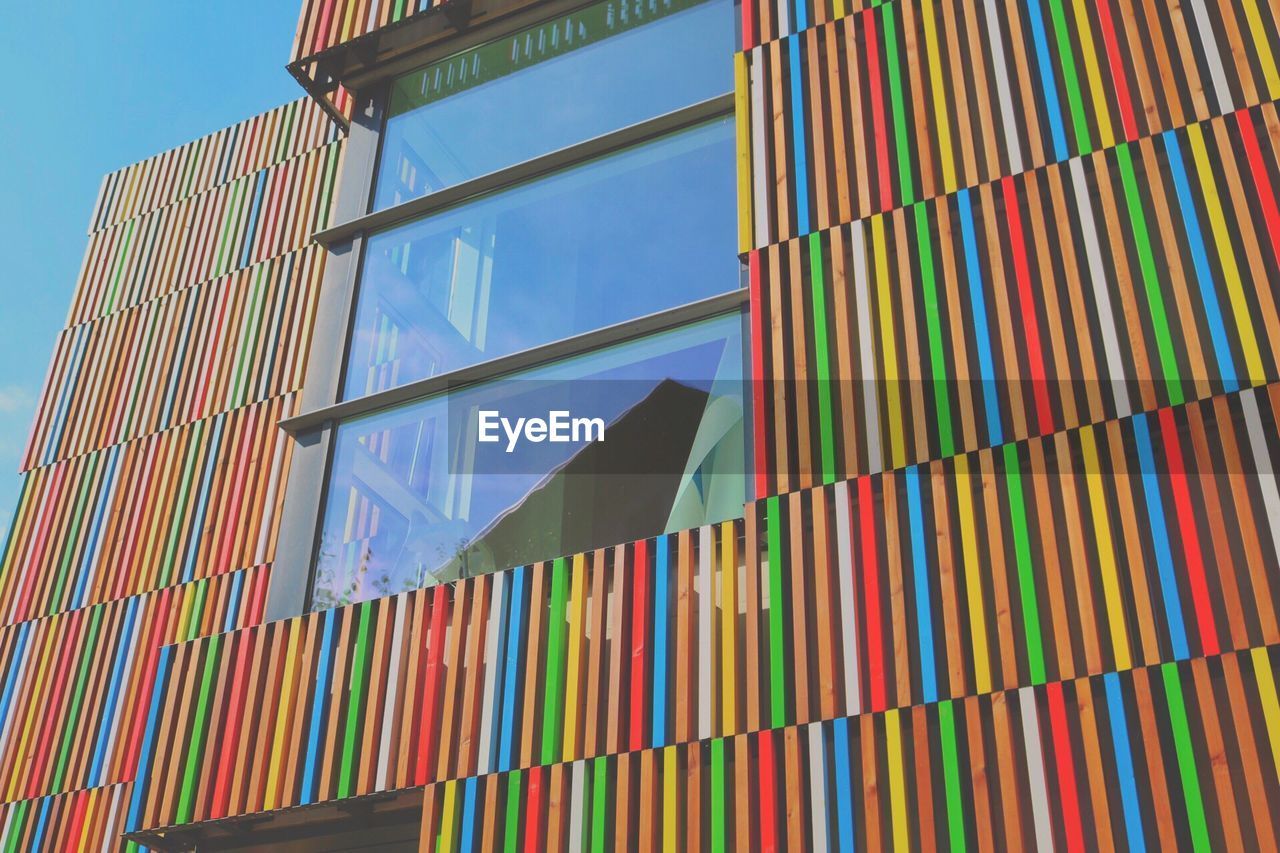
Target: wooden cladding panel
(1106, 548)
(1170, 756)
(155, 472)
(920, 98)
(324, 24)
(80, 820)
(211, 161)
(193, 354)
(258, 216)
(1123, 281)
(74, 695)
(186, 503)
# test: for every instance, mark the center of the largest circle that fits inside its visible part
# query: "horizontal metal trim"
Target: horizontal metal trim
(554, 161)
(495, 368)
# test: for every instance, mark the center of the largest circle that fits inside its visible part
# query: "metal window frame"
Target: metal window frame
(496, 368)
(720, 106)
(322, 408)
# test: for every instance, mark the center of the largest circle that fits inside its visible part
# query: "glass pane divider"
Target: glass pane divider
(724, 303)
(721, 105)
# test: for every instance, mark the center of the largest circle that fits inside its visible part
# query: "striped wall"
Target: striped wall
(1131, 278)
(155, 472)
(72, 682)
(75, 821)
(1132, 543)
(324, 24)
(1011, 580)
(211, 161)
(85, 534)
(252, 322)
(1176, 756)
(845, 124)
(1013, 313)
(233, 225)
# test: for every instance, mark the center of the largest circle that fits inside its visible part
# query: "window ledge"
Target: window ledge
(306, 422)
(590, 149)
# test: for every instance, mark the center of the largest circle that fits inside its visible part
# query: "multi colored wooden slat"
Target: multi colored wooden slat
(74, 690)
(1176, 756)
(1011, 580)
(211, 161)
(1126, 544)
(920, 98)
(324, 24)
(180, 505)
(258, 216)
(190, 355)
(81, 821)
(1132, 278)
(767, 20)
(156, 470)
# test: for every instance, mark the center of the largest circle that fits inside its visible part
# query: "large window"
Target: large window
(573, 78)
(553, 361)
(417, 498)
(619, 237)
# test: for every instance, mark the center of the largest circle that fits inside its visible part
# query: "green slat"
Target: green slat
(951, 773)
(933, 317)
(200, 729)
(1186, 757)
(138, 391)
(16, 827)
(184, 506)
(553, 697)
(87, 484)
(197, 609)
(599, 801)
(1026, 568)
(72, 717)
(10, 537)
(717, 796)
(286, 133)
(109, 304)
(901, 135)
(777, 665)
(324, 208)
(513, 813)
(357, 700)
(1075, 97)
(191, 166)
(230, 224)
(1150, 276)
(823, 355)
(249, 323)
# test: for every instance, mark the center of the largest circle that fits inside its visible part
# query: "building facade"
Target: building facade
(937, 352)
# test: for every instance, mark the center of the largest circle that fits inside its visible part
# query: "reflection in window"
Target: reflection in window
(416, 499)
(592, 71)
(637, 232)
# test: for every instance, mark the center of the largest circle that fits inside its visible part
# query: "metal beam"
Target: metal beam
(721, 105)
(305, 488)
(307, 422)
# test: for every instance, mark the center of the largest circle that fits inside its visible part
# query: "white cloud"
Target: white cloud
(14, 398)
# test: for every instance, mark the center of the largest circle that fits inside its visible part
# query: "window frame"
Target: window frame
(322, 408)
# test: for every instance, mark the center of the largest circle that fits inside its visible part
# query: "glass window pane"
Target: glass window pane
(633, 233)
(416, 497)
(593, 71)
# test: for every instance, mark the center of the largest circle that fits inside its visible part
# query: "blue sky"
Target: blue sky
(92, 87)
